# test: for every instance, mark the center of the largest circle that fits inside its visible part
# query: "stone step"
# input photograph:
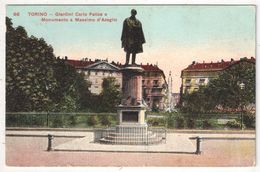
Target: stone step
(130, 142)
(132, 136)
(119, 134)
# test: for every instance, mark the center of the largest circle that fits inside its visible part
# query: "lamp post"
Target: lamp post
(242, 87)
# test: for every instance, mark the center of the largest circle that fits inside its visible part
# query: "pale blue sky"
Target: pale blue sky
(175, 35)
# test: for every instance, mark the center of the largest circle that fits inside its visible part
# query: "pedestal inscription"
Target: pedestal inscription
(130, 116)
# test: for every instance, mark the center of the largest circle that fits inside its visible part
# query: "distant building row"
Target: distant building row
(198, 74)
(154, 83)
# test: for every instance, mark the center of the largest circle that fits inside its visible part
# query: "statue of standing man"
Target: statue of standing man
(132, 37)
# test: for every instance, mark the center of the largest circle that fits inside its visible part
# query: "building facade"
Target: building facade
(153, 83)
(96, 71)
(199, 74)
(154, 87)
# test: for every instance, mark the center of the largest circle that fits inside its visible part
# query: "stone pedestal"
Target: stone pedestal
(132, 128)
(131, 115)
(131, 111)
(132, 86)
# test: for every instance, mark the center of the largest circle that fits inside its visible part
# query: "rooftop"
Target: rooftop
(80, 63)
(215, 65)
(86, 62)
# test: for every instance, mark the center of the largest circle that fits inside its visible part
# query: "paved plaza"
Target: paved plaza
(28, 148)
(171, 145)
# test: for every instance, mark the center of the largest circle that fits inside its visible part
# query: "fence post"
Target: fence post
(198, 140)
(50, 138)
(47, 119)
(147, 137)
(165, 134)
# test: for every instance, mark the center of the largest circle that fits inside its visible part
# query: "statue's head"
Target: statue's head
(133, 12)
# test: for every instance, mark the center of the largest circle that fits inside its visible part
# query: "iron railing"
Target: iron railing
(104, 120)
(130, 135)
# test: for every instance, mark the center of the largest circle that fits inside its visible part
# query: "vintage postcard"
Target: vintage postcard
(130, 85)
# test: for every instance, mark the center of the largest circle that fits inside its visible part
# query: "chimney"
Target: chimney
(232, 59)
(222, 60)
(66, 58)
(193, 63)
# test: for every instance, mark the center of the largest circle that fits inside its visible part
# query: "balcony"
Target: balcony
(155, 94)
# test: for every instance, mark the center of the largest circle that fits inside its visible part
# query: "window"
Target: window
(187, 89)
(96, 73)
(155, 83)
(187, 81)
(201, 81)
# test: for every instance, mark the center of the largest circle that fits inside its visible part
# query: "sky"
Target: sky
(175, 35)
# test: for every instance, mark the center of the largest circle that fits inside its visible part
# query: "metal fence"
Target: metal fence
(59, 120)
(86, 120)
(130, 135)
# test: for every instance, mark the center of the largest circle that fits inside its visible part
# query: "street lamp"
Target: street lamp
(242, 87)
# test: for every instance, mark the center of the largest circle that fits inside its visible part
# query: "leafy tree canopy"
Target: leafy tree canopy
(225, 92)
(110, 95)
(38, 81)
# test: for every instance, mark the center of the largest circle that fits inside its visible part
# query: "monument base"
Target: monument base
(133, 134)
(132, 128)
(131, 115)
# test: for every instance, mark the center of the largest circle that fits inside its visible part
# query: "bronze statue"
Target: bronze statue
(132, 37)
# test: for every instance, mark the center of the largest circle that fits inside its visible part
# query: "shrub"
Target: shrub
(206, 124)
(92, 120)
(57, 121)
(179, 122)
(249, 120)
(104, 120)
(72, 120)
(170, 121)
(233, 124)
(155, 121)
(190, 123)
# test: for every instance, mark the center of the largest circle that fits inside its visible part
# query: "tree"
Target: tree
(224, 91)
(110, 95)
(71, 92)
(38, 81)
(29, 72)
